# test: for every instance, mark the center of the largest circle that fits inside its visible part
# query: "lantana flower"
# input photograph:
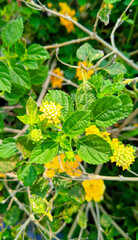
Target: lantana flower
(56, 81)
(36, 135)
(79, 71)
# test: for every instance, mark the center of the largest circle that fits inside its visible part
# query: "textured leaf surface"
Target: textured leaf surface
(37, 203)
(31, 107)
(76, 123)
(11, 216)
(25, 146)
(87, 53)
(94, 149)
(127, 105)
(8, 164)
(85, 95)
(27, 174)
(37, 52)
(97, 81)
(16, 93)
(12, 32)
(115, 69)
(63, 99)
(1, 123)
(20, 76)
(106, 111)
(38, 76)
(104, 14)
(5, 79)
(8, 148)
(82, 219)
(44, 153)
(19, 49)
(40, 187)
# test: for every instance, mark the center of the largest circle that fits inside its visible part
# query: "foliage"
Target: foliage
(58, 146)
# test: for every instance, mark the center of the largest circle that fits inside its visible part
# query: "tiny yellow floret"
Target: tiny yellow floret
(51, 112)
(79, 71)
(57, 81)
(94, 189)
(67, 11)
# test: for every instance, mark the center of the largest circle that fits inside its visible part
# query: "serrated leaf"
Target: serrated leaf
(5, 79)
(104, 14)
(97, 81)
(40, 187)
(82, 219)
(65, 144)
(45, 152)
(37, 203)
(31, 107)
(85, 95)
(63, 99)
(106, 111)
(27, 120)
(87, 53)
(12, 32)
(30, 64)
(116, 68)
(25, 146)
(76, 194)
(20, 76)
(11, 216)
(27, 173)
(127, 105)
(1, 123)
(37, 52)
(8, 148)
(19, 49)
(7, 165)
(76, 123)
(105, 89)
(16, 93)
(94, 149)
(38, 76)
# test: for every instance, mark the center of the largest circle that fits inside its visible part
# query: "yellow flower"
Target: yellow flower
(123, 156)
(92, 130)
(79, 71)
(50, 5)
(94, 189)
(56, 166)
(55, 81)
(51, 112)
(2, 175)
(66, 10)
(36, 135)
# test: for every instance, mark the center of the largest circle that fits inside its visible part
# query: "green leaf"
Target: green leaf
(37, 203)
(76, 194)
(19, 49)
(25, 146)
(38, 76)
(16, 93)
(106, 111)
(97, 81)
(39, 168)
(87, 53)
(8, 148)
(11, 216)
(44, 153)
(40, 187)
(115, 69)
(105, 89)
(20, 76)
(63, 99)
(127, 105)
(94, 149)
(82, 2)
(85, 95)
(12, 32)
(105, 220)
(5, 79)
(111, 1)
(65, 144)
(1, 123)
(76, 123)
(8, 164)
(30, 64)
(37, 52)
(104, 14)
(27, 173)
(82, 219)
(31, 107)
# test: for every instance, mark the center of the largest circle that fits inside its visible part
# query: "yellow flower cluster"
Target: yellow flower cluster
(123, 156)
(94, 130)
(57, 165)
(56, 81)
(51, 112)
(79, 71)
(107, 5)
(36, 135)
(67, 11)
(94, 189)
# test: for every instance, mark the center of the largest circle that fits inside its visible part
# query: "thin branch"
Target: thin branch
(64, 79)
(66, 64)
(107, 178)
